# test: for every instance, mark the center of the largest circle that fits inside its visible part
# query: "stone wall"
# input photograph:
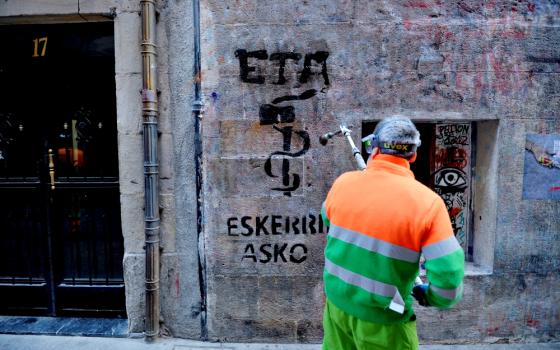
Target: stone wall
(277, 75)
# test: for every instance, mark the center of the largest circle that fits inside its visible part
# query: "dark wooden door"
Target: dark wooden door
(61, 245)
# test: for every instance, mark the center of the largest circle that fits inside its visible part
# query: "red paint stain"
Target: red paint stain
(417, 4)
(532, 323)
(453, 157)
(501, 82)
(531, 7)
(458, 80)
(407, 24)
(454, 212)
(496, 66)
(490, 5)
(478, 85)
(513, 34)
(554, 188)
(492, 331)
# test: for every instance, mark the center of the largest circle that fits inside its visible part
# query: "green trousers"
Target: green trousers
(346, 332)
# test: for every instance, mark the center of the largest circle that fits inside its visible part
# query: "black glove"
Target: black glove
(419, 292)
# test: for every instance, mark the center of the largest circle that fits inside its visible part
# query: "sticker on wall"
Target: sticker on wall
(541, 178)
(451, 174)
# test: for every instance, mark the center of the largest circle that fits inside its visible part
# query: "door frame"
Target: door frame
(129, 139)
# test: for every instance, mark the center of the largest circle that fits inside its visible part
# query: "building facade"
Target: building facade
(244, 90)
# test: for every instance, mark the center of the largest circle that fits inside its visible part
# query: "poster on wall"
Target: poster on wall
(451, 174)
(541, 177)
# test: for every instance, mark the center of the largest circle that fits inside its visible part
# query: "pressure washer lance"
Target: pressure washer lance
(345, 130)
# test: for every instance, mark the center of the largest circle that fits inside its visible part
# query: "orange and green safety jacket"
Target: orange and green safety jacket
(381, 220)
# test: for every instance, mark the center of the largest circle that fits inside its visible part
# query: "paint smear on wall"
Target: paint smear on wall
(541, 179)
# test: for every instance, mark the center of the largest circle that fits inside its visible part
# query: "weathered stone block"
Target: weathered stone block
(267, 256)
(129, 103)
(238, 177)
(134, 267)
(241, 293)
(256, 140)
(263, 237)
(164, 103)
(270, 11)
(232, 329)
(131, 172)
(166, 161)
(170, 289)
(127, 43)
(132, 220)
(107, 6)
(293, 297)
(168, 223)
(309, 330)
(36, 8)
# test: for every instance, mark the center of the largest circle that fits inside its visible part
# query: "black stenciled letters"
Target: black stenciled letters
(245, 224)
(231, 226)
(287, 134)
(303, 255)
(319, 57)
(276, 253)
(276, 224)
(267, 254)
(314, 64)
(279, 252)
(270, 114)
(245, 69)
(282, 57)
(249, 253)
(295, 226)
(260, 225)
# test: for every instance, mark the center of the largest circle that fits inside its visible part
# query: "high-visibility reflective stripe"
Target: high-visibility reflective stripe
(372, 286)
(450, 294)
(373, 244)
(441, 248)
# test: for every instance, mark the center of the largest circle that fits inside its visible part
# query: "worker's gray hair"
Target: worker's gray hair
(397, 130)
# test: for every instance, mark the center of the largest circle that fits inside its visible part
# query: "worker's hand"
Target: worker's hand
(419, 292)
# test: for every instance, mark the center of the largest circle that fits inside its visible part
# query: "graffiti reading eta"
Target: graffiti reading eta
(313, 70)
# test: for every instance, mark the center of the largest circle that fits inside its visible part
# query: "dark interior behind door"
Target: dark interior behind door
(61, 245)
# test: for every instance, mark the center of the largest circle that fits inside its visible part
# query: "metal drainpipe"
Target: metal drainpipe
(197, 108)
(151, 178)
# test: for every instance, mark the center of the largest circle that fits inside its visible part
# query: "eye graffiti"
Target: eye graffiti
(450, 184)
(450, 180)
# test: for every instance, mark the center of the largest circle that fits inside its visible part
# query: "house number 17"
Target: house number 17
(37, 42)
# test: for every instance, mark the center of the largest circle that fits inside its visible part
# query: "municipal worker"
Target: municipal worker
(381, 220)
